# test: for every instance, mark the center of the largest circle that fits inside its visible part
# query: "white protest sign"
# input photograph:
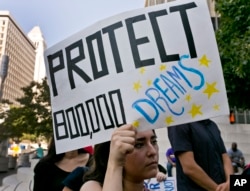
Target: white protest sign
(152, 67)
(168, 185)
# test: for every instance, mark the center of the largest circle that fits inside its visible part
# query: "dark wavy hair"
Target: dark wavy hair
(52, 157)
(99, 163)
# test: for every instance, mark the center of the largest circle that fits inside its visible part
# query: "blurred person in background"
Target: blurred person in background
(52, 169)
(170, 161)
(38, 152)
(236, 157)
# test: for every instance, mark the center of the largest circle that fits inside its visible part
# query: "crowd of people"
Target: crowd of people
(131, 157)
(123, 163)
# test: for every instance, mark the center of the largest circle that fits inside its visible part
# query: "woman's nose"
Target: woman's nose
(152, 149)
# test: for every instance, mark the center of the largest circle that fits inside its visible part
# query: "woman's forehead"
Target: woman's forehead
(148, 133)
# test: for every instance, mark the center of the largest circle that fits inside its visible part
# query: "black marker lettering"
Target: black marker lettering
(71, 63)
(111, 32)
(53, 69)
(104, 69)
(186, 25)
(134, 42)
(158, 37)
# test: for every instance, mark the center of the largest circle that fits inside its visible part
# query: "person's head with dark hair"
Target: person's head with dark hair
(234, 146)
(53, 168)
(99, 163)
(51, 156)
(124, 162)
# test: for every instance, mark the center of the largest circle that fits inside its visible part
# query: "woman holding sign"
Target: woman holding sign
(133, 157)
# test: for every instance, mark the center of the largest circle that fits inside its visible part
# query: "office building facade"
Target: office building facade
(21, 54)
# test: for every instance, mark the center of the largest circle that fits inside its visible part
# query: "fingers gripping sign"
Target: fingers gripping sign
(122, 142)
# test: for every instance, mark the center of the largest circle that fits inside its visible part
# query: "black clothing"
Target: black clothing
(162, 169)
(204, 140)
(48, 177)
(74, 180)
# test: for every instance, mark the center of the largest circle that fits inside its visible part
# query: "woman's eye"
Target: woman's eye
(138, 145)
(154, 142)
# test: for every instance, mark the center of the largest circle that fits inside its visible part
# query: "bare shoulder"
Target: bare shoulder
(91, 185)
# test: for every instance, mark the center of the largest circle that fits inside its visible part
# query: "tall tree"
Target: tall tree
(233, 37)
(33, 116)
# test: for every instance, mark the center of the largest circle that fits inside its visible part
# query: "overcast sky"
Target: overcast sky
(59, 19)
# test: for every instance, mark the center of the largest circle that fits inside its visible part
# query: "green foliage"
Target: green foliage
(233, 37)
(29, 137)
(33, 116)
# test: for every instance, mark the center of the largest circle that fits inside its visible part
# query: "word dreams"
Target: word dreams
(167, 89)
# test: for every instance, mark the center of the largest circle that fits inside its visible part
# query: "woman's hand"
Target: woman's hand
(161, 176)
(122, 143)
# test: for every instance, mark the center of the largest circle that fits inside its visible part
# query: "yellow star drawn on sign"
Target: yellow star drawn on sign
(136, 124)
(195, 110)
(169, 120)
(163, 67)
(149, 82)
(142, 70)
(137, 86)
(216, 107)
(204, 61)
(188, 98)
(210, 89)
